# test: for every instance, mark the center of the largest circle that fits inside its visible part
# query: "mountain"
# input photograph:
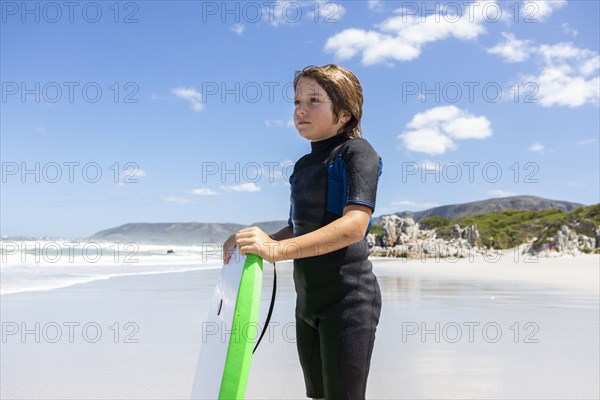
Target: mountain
(188, 233)
(195, 233)
(456, 211)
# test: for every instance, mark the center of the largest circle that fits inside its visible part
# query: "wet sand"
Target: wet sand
(448, 330)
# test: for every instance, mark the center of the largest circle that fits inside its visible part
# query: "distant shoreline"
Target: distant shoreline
(214, 246)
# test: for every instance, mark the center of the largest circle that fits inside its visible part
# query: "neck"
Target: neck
(321, 145)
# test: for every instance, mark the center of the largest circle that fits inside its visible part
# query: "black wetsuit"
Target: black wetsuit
(338, 298)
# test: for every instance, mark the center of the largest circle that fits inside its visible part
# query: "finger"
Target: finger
(250, 249)
(245, 234)
(250, 231)
(249, 241)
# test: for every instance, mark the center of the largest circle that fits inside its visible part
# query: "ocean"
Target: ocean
(29, 265)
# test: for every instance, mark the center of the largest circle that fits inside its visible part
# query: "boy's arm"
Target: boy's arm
(344, 231)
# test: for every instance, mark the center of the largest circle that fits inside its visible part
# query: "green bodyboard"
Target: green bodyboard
(239, 352)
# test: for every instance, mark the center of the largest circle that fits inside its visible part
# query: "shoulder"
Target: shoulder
(302, 160)
(357, 148)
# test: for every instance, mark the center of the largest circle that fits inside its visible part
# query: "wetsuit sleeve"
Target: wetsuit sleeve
(363, 168)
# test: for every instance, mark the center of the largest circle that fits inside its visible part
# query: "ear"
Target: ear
(346, 116)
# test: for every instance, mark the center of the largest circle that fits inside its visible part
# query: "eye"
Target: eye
(314, 100)
(296, 102)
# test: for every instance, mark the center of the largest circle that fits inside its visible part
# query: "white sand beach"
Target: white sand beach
(466, 329)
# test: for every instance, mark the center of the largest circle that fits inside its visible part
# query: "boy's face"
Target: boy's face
(313, 115)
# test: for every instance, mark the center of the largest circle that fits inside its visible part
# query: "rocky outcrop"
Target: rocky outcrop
(397, 231)
(566, 242)
(470, 234)
(402, 237)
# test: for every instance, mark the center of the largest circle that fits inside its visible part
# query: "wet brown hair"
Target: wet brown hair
(344, 90)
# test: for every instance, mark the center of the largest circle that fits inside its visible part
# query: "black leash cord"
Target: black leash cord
(270, 309)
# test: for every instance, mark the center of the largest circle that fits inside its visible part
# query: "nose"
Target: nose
(299, 110)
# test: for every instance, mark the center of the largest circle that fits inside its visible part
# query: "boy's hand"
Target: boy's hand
(254, 241)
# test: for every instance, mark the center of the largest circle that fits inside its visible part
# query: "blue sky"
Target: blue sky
(463, 102)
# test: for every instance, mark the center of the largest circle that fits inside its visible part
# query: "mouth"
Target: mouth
(303, 123)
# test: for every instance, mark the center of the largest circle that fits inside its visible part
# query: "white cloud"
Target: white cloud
(578, 184)
(439, 114)
(203, 192)
(278, 123)
(329, 11)
(568, 30)
(137, 173)
(433, 131)
(501, 193)
(238, 28)
(191, 95)
(129, 176)
(428, 204)
(275, 14)
(402, 37)
(590, 65)
(430, 165)
(402, 203)
(568, 75)
(273, 122)
(560, 52)
(376, 5)
(512, 50)
(177, 200)
(430, 141)
(586, 141)
(413, 204)
(536, 148)
(244, 187)
(290, 12)
(539, 10)
(468, 127)
(269, 123)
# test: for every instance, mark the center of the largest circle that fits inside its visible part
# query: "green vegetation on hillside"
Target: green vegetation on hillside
(509, 228)
(434, 223)
(376, 229)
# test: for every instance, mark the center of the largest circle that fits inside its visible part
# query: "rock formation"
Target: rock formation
(402, 237)
(567, 241)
